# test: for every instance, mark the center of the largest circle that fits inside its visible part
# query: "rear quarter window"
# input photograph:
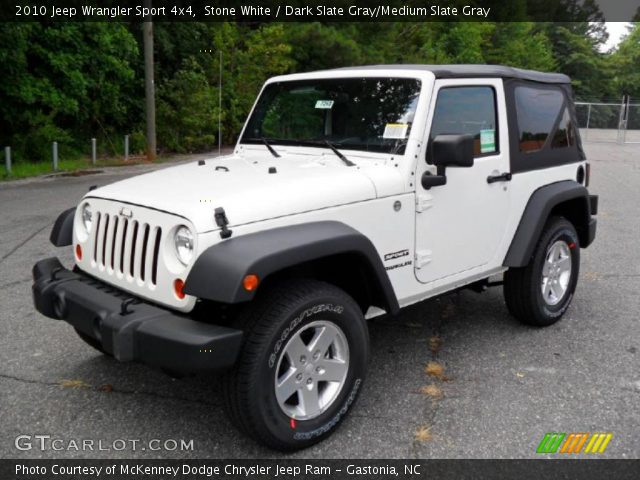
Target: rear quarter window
(542, 125)
(538, 111)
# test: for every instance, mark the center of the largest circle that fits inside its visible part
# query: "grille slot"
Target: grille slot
(132, 258)
(104, 238)
(127, 248)
(143, 253)
(95, 240)
(113, 236)
(156, 252)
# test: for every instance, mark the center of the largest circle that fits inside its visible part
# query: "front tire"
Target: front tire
(302, 365)
(540, 293)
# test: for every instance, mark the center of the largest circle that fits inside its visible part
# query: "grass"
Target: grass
(29, 169)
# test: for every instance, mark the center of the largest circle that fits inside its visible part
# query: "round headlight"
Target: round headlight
(87, 217)
(183, 241)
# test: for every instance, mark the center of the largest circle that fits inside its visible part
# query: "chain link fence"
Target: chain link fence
(609, 122)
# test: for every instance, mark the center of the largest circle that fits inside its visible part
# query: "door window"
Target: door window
(468, 110)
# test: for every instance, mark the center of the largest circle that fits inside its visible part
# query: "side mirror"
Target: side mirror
(452, 151)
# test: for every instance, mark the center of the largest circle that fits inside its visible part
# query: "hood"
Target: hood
(247, 190)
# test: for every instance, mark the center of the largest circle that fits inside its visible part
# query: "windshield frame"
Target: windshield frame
(415, 129)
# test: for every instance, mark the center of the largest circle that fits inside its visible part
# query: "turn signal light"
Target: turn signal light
(178, 287)
(250, 282)
(78, 252)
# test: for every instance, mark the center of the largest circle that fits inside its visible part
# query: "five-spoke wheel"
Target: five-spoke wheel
(311, 370)
(556, 272)
(302, 365)
(541, 292)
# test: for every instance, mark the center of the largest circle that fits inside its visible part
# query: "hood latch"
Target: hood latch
(222, 221)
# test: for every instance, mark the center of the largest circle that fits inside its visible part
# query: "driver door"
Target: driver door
(460, 225)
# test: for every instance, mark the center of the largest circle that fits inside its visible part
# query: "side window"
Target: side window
(537, 110)
(467, 110)
(565, 134)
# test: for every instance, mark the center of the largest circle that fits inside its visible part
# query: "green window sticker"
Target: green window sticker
(487, 141)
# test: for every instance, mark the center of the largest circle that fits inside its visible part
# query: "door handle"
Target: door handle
(503, 177)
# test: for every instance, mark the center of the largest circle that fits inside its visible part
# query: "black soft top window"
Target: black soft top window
(542, 124)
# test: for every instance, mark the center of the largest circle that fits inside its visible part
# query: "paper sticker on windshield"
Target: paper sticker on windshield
(487, 141)
(395, 130)
(324, 104)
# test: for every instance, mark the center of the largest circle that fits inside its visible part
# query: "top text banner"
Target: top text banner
(326, 11)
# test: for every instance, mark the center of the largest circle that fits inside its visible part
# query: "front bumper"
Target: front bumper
(128, 329)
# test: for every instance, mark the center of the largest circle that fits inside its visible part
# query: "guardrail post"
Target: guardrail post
(7, 159)
(55, 156)
(93, 151)
(126, 148)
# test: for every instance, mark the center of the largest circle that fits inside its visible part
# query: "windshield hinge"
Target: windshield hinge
(221, 220)
(424, 201)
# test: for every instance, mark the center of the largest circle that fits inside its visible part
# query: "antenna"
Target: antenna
(220, 108)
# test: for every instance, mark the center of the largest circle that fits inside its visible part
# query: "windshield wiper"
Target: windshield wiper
(340, 155)
(271, 149)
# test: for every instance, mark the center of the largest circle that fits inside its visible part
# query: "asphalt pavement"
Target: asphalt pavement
(502, 385)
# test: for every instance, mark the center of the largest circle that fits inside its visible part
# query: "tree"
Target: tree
(58, 88)
(625, 61)
(521, 44)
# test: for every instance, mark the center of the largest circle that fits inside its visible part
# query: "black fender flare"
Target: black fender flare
(219, 271)
(62, 232)
(536, 213)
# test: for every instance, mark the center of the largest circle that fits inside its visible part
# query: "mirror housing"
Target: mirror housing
(452, 151)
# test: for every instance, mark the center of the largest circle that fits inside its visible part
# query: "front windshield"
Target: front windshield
(371, 114)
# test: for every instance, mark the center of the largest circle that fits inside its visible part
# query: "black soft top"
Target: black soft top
(474, 71)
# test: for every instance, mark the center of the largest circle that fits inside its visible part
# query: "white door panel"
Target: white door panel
(462, 224)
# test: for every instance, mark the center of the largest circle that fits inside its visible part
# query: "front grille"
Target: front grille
(127, 247)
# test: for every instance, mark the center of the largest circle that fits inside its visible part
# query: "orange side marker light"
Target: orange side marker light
(250, 282)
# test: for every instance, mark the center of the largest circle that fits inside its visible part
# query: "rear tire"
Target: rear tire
(301, 367)
(540, 293)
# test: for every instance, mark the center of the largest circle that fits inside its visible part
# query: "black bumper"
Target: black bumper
(138, 332)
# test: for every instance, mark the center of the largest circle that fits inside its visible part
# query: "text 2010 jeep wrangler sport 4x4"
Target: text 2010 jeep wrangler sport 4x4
(350, 192)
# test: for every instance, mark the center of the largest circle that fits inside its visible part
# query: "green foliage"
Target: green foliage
(625, 63)
(187, 110)
(315, 46)
(577, 54)
(260, 54)
(64, 81)
(521, 44)
(68, 82)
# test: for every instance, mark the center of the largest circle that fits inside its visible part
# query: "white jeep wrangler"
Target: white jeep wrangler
(350, 193)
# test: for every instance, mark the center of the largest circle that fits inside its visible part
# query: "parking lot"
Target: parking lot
(503, 385)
